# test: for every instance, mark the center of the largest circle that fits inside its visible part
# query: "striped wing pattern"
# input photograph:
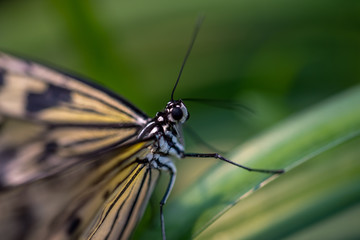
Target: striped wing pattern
(68, 157)
(122, 210)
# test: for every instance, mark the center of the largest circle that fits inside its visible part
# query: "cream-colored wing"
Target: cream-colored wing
(32, 91)
(50, 121)
(68, 156)
(87, 201)
(122, 211)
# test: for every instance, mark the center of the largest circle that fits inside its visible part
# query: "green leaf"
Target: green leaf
(311, 201)
(319, 150)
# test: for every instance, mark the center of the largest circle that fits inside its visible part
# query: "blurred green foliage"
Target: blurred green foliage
(276, 57)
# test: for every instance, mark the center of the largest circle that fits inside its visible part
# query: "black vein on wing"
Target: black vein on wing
(133, 205)
(118, 197)
(83, 109)
(88, 197)
(119, 166)
(94, 125)
(108, 148)
(89, 140)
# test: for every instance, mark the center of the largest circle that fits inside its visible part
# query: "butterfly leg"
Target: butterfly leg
(171, 169)
(218, 156)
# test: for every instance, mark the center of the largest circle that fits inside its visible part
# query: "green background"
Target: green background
(282, 59)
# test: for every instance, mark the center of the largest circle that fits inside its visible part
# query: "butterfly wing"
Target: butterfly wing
(34, 91)
(49, 119)
(80, 202)
(123, 209)
(68, 157)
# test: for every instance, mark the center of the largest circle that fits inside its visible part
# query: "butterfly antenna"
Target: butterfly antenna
(196, 31)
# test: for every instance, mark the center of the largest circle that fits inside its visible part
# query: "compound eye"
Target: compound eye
(177, 113)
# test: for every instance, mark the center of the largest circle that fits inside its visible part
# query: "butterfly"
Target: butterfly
(78, 161)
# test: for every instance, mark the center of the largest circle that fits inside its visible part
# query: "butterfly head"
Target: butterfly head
(168, 123)
(176, 112)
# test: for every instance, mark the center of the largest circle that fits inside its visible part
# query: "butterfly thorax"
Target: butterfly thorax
(166, 128)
